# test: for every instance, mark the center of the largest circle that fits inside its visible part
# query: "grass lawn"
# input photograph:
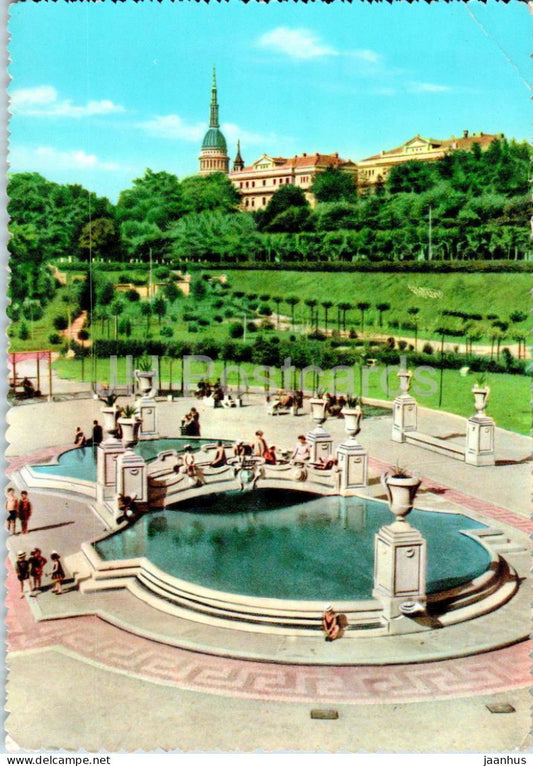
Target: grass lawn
(508, 402)
(482, 294)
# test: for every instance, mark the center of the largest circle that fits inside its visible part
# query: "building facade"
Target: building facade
(374, 170)
(258, 182)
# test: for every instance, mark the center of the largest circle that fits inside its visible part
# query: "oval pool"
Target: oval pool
(80, 462)
(290, 545)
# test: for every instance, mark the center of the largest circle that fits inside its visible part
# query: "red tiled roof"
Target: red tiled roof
(305, 161)
(484, 139)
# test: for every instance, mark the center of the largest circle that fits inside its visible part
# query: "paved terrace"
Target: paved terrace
(144, 691)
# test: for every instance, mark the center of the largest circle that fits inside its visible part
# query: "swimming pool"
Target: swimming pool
(290, 545)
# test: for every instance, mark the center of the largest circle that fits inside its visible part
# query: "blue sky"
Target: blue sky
(101, 91)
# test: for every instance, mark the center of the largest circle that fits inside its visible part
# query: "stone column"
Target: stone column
(320, 441)
(147, 413)
(404, 412)
(106, 457)
(400, 558)
(480, 431)
(352, 458)
(132, 478)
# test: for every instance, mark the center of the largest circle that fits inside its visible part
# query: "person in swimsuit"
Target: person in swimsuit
(58, 573)
(23, 571)
(220, 457)
(37, 562)
(79, 438)
(270, 455)
(24, 511)
(260, 446)
(12, 505)
(330, 623)
(302, 451)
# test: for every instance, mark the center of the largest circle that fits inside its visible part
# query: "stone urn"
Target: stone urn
(318, 410)
(481, 394)
(145, 379)
(352, 421)
(130, 427)
(108, 414)
(405, 377)
(401, 491)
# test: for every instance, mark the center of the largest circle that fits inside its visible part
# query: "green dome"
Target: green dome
(214, 139)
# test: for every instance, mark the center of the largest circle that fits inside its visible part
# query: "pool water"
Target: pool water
(80, 463)
(290, 545)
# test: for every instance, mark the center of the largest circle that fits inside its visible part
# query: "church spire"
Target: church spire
(213, 113)
(238, 162)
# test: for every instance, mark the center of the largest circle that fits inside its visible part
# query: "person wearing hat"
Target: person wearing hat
(23, 570)
(330, 623)
(58, 573)
(37, 562)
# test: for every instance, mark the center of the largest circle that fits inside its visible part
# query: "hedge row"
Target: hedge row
(302, 353)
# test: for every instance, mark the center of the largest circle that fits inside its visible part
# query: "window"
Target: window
(264, 182)
(246, 203)
(274, 181)
(253, 203)
(240, 184)
(264, 200)
(280, 181)
(246, 184)
(253, 183)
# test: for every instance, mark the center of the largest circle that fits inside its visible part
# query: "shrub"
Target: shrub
(167, 331)
(218, 303)
(229, 313)
(236, 330)
(427, 348)
(402, 345)
(253, 305)
(189, 316)
(192, 327)
(60, 323)
(352, 334)
(54, 338)
(217, 318)
(24, 333)
(133, 295)
(265, 310)
(203, 322)
(390, 343)
(265, 324)
(84, 335)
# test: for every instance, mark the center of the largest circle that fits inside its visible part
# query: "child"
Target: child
(12, 505)
(58, 573)
(24, 511)
(37, 563)
(23, 571)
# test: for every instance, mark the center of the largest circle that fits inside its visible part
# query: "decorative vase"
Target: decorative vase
(401, 491)
(481, 394)
(352, 421)
(405, 377)
(108, 414)
(129, 426)
(146, 382)
(318, 410)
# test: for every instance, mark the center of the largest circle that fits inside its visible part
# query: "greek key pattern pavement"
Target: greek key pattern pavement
(95, 641)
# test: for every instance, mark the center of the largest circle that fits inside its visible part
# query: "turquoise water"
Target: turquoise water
(80, 463)
(279, 544)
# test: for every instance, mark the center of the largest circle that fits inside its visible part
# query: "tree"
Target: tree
(287, 197)
(172, 291)
(381, 307)
(213, 192)
(99, 239)
(160, 308)
(363, 306)
(311, 304)
(333, 185)
(343, 308)
(292, 301)
(413, 311)
(146, 311)
(326, 305)
(116, 309)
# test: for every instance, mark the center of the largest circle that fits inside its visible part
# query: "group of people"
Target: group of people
(30, 570)
(18, 509)
(334, 405)
(80, 440)
(205, 389)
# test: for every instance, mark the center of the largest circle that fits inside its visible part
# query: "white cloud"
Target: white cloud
(296, 43)
(173, 126)
(44, 101)
(45, 159)
(365, 54)
(428, 87)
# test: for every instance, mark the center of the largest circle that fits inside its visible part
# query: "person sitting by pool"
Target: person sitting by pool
(302, 451)
(228, 401)
(270, 455)
(260, 446)
(220, 458)
(127, 506)
(29, 388)
(79, 438)
(330, 623)
(325, 465)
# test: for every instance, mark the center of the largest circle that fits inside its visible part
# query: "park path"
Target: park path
(73, 332)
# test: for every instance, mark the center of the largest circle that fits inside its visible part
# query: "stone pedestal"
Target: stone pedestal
(352, 462)
(147, 413)
(321, 444)
(399, 570)
(107, 454)
(404, 417)
(480, 441)
(131, 476)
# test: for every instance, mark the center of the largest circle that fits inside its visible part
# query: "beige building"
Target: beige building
(258, 182)
(375, 169)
